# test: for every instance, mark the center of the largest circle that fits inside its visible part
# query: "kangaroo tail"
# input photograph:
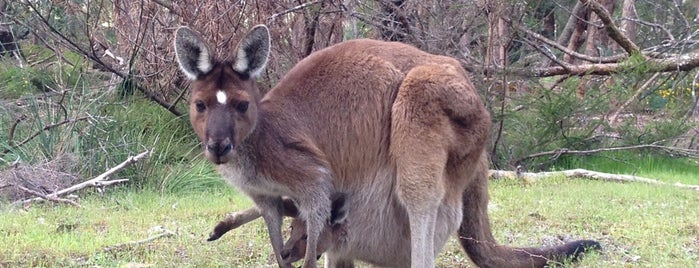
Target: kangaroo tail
(476, 238)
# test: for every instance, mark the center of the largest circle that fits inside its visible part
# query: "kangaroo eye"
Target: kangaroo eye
(200, 106)
(242, 106)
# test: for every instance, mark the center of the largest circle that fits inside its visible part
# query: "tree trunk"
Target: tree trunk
(628, 26)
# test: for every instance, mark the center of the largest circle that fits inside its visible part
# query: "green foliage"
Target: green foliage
(16, 82)
(550, 120)
(642, 163)
(102, 129)
(625, 218)
(547, 120)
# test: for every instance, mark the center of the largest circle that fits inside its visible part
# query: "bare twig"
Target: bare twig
(615, 115)
(71, 44)
(99, 181)
(273, 17)
(163, 233)
(13, 128)
(31, 137)
(541, 38)
(48, 198)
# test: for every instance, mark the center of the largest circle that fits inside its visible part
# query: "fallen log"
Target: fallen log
(582, 173)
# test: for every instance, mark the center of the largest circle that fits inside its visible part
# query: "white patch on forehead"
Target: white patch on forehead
(221, 97)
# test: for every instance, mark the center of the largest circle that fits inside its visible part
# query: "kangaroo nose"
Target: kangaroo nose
(219, 148)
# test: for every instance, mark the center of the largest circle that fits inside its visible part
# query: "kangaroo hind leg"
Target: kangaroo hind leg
(421, 139)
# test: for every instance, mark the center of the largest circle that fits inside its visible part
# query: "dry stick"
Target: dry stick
(31, 137)
(271, 18)
(575, 54)
(99, 181)
(49, 198)
(583, 173)
(165, 233)
(612, 119)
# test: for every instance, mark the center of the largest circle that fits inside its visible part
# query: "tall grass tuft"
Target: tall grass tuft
(104, 128)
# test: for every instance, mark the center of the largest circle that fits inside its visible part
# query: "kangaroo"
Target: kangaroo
(400, 131)
(236, 219)
(340, 243)
(333, 234)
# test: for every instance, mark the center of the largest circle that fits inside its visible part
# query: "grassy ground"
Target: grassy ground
(639, 225)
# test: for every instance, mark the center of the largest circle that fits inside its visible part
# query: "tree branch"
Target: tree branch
(48, 198)
(99, 181)
(612, 30)
(610, 59)
(273, 17)
(684, 62)
(564, 151)
(163, 233)
(31, 137)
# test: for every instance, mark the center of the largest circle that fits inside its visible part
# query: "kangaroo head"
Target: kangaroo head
(295, 248)
(224, 94)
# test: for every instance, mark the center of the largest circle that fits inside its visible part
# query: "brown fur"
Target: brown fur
(339, 240)
(400, 131)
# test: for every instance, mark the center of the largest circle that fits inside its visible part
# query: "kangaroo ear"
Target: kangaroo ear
(193, 55)
(253, 52)
(340, 209)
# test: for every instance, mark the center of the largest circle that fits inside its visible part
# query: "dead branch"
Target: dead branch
(13, 128)
(612, 30)
(302, 6)
(565, 151)
(582, 173)
(31, 137)
(541, 38)
(648, 83)
(99, 181)
(163, 233)
(48, 198)
(72, 45)
(683, 62)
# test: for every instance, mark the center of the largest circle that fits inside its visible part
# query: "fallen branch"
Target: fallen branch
(582, 173)
(648, 83)
(99, 181)
(49, 198)
(563, 151)
(163, 233)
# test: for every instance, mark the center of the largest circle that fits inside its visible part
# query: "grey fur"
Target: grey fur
(253, 52)
(192, 53)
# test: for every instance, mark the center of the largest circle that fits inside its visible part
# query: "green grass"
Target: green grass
(60, 236)
(639, 225)
(654, 166)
